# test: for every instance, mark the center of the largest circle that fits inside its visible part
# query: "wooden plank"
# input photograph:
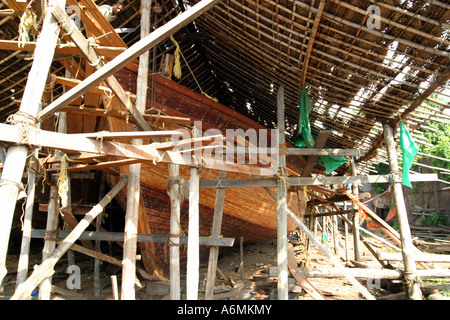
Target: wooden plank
(394, 256)
(123, 115)
(316, 181)
(71, 49)
(364, 273)
(323, 152)
(215, 232)
(147, 238)
(97, 255)
(300, 278)
(129, 135)
(131, 53)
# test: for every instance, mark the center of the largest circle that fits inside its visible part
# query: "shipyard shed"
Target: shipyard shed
(154, 140)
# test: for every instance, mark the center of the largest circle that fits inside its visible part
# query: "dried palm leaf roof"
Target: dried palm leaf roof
(241, 52)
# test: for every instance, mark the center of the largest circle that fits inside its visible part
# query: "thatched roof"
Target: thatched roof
(241, 52)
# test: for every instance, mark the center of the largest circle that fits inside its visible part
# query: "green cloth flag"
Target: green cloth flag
(306, 139)
(304, 128)
(409, 151)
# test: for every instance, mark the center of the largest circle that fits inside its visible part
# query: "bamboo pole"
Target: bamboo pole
(22, 267)
(98, 224)
(412, 284)
(16, 156)
(50, 240)
(193, 254)
(45, 269)
(355, 216)
(134, 184)
(174, 248)
(311, 43)
(215, 232)
(282, 243)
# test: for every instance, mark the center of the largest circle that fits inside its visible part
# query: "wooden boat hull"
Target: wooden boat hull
(248, 212)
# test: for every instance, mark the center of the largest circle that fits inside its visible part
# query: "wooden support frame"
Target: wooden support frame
(45, 269)
(96, 60)
(130, 54)
(83, 143)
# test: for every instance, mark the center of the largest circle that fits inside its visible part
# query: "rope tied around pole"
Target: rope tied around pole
(26, 123)
(4, 182)
(50, 235)
(282, 176)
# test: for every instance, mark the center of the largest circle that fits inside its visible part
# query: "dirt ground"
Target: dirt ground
(259, 284)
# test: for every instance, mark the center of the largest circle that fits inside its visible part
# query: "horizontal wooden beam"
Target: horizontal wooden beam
(147, 238)
(128, 134)
(81, 143)
(394, 256)
(300, 181)
(364, 273)
(153, 119)
(323, 152)
(69, 49)
(298, 151)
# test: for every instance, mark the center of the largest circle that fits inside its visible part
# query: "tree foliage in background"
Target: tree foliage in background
(439, 137)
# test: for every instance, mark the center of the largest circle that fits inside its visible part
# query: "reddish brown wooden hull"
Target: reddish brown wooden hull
(248, 212)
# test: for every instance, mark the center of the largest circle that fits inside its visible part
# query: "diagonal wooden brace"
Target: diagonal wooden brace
(96, 60)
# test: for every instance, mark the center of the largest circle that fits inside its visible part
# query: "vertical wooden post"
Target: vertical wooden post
(174, 244)
(356, 242)
(241, 264)
(52, 218)
(336, 235)
(193, 247)
(347, 256)
(134, 184)
(22, 267)
(50, 241)
(99, 221)
(16, 156)
(215, 232)
(411, 279)
(282, 243)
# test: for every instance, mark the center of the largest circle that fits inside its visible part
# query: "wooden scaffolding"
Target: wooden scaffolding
(107, 151)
